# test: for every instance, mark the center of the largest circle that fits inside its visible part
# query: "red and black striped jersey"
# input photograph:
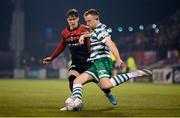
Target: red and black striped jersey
(70, 38)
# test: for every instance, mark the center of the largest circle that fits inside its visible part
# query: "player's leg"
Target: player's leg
(112, 99)
(82, 68)
(104, 70)
(78, 82)
(72, 74)
(121, 78)
(106, 83)
(106, 91)
(77, 87)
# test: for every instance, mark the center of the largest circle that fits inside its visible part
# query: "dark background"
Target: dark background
(44, 19)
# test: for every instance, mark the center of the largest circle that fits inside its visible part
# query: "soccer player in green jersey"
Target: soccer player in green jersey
(70, 38)
(100, 47)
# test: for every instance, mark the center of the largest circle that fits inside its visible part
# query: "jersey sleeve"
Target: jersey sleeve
(61, 46)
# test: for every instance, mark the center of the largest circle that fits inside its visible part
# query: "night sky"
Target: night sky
(42, 14)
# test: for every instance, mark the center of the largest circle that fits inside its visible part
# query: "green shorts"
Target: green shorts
(101, 68)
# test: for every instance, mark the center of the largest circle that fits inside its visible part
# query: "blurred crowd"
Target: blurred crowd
(164, 39)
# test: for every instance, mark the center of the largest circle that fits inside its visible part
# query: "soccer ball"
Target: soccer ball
(73, 104)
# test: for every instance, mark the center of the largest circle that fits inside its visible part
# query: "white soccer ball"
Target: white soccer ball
(73, 104)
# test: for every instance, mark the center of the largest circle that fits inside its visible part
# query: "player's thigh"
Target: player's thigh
(73, 72)
(83, 78)
(105, 83)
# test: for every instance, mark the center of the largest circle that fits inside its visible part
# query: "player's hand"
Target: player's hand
(120, 64)
(47, 60)
(81, 39)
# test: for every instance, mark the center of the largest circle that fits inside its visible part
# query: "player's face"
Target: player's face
(91, 21)
(73, 21)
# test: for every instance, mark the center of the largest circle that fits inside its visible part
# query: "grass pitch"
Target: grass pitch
(43, 98)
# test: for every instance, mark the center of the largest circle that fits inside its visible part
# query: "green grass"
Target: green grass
(21, 98)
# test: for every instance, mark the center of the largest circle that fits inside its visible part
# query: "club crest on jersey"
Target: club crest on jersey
(102, 71)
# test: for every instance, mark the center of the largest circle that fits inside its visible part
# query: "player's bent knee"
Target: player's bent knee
(73, 72)
(81, 79)
(106, 86)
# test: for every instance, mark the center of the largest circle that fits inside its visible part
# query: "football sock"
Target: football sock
(106, 91)
(121, 78)
(77, 90)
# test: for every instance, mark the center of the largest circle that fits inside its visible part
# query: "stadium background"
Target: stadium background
(148, 31)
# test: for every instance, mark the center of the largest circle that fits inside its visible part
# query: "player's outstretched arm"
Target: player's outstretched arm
(114, 50)
(61, 46)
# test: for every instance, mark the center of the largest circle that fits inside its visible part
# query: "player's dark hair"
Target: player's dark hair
(92, 12)
(72, 12)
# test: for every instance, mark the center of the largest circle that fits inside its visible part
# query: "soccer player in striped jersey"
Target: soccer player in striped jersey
(100, 46)
(79, 53)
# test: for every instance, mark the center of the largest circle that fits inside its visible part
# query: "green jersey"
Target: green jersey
(97, 42)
